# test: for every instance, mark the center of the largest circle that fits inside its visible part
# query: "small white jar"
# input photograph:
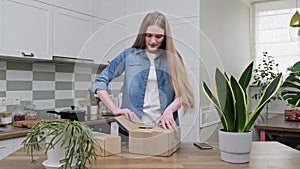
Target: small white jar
(6, 117)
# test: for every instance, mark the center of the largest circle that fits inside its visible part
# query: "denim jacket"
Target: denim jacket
(136, 65)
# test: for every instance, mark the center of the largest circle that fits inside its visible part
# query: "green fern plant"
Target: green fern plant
(231, 99)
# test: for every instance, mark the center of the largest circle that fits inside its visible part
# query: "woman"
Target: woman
(155, 81)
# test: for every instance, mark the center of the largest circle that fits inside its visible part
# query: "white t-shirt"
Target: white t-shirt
(151, 106)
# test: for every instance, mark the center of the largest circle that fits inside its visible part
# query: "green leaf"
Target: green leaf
(268, 93)
(291, 86)
(291, 96)
(225, 98)
(296, 67)
(291, 81)
(245, 77)
(215, 102)
(241, 106)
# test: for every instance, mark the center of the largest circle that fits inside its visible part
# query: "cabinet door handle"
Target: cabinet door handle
(27, 55)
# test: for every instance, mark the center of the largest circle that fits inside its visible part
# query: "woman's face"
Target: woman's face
(154, 37)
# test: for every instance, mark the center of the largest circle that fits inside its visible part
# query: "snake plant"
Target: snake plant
(76, 138)
(231, 99)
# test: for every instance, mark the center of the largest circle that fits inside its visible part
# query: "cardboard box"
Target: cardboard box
(150, 140)
(108, 144)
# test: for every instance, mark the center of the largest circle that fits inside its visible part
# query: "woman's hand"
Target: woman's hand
(128, 114)
(167, 121)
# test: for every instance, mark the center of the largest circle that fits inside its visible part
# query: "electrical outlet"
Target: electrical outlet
(205, 116)
(6, 101)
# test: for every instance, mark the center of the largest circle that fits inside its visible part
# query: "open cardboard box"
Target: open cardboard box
(107, 144)
(150, 140)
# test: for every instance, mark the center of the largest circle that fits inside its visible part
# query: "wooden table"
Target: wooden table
(277, 125)
(264, 155)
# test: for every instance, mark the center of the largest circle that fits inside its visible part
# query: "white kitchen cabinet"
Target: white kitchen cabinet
(71, 32)
(82, 6)
(9, 146)
(173, 8)
(18, 143)
(25, 29)
(107, 40)
(109, 10)
(6, 148)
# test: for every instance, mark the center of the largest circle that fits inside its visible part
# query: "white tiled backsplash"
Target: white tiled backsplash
(47, 85)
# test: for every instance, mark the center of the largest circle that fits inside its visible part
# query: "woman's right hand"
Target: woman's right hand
(128, 114)
(105, 98)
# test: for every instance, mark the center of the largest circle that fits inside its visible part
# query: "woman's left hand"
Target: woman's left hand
(167, 121)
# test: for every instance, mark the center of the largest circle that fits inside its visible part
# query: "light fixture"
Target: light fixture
(295, 26)
(295, 20)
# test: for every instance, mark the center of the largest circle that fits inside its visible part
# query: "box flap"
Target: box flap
(129, 125)
(138, 124)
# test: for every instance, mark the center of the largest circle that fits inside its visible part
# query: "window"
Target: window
(271, 32)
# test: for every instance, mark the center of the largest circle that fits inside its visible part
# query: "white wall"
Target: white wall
(224, 43)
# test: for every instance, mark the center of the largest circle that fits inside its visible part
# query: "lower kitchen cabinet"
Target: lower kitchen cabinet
(9, 146)
(6, 148)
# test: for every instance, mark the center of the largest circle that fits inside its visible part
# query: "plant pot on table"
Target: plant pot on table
(235, 147)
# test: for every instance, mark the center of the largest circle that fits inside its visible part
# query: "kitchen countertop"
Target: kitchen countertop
(263, 155)
(15, 132)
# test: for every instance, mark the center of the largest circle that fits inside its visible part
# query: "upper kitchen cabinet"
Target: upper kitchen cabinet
(82, 6)
(71, 32)
(25, 29)
(174, 8)
(109, 10)
(107, 40)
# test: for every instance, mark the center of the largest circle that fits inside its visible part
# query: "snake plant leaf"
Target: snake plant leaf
(245, 77)
(215, 102)
(226, 75)
(231, 99)
(210, 95)
(241, 104)
(225, 97)
(268, 93)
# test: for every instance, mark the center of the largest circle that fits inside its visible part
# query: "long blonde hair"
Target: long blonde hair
(176, 68)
